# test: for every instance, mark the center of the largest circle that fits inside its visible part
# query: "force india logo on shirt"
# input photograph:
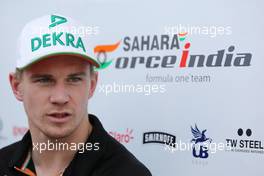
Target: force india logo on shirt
(61, 38)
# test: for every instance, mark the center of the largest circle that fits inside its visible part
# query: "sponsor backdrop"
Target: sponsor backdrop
(181, 82)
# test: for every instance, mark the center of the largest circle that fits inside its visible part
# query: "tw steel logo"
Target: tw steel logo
(179, 58)
(245, 142)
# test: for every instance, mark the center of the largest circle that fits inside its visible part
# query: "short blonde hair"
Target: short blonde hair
(19, 72)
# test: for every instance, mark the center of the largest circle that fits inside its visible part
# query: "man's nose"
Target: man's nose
(59, 94)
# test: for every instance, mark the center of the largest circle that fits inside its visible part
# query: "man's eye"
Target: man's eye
(43, 80)
(74, 79)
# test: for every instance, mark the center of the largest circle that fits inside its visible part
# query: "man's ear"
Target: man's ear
(93, 83)
(16, 86)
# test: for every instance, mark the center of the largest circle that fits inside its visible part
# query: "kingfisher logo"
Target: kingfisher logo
(179, 49)
(200, 141)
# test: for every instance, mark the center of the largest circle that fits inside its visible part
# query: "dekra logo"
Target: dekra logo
(56, 38)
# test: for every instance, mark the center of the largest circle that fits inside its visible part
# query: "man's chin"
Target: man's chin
(55, 134)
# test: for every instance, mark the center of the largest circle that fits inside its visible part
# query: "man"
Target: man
(54, 79)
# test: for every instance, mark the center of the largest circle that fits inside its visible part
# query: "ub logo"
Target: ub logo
(200, 143)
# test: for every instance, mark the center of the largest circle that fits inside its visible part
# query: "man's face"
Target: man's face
(55, 94)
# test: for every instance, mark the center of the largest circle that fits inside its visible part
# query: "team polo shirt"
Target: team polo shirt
(111, 159)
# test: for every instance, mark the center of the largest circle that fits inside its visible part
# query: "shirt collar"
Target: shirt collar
(82, 162)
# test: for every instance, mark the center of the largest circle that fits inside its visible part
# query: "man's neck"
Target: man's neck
(49, 162)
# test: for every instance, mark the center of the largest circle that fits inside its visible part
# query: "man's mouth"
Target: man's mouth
(59, 117)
